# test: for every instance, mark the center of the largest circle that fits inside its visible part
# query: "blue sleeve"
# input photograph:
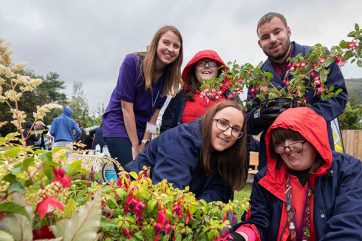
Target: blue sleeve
(345, 215)
(78, 132)
(216, 190)
(176, 161)
(128, 79)
(334, 106)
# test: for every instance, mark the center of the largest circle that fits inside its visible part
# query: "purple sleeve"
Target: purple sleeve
(128, 78)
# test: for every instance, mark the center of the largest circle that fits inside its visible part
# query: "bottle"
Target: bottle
(105, 151)
(98, 150)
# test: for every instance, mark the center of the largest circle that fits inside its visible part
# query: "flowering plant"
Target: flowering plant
(309, 71)
(134, 209)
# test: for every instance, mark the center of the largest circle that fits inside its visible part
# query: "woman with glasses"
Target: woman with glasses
(188, 105)
(306, 191)
(207, 154)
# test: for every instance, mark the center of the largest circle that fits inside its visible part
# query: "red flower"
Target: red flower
(47, 204)
(177, 209)
(43, 233)
(61, 177)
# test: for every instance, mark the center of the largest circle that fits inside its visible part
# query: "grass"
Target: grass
(243, 193)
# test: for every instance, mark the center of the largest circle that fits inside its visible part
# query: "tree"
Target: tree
(351, 118)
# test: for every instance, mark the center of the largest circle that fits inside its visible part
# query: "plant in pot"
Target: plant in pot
(305, 74)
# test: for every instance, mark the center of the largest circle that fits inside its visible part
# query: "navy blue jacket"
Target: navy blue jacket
(176, 156)
(329, 109)
(336, 185)
(337, 203)
(173, 114)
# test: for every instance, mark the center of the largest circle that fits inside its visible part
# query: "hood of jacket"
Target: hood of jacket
(67, 111)
(313, 128)
(204, 54)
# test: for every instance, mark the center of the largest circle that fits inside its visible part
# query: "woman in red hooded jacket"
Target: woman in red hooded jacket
(188, 105)
(306, 192)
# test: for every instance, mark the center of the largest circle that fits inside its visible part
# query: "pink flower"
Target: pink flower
(60, 177)
(352, 45)
(47, 205)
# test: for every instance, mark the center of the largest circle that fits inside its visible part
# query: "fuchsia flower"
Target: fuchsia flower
(352, 45)
(340, 61)
(60, 177)
(47, 205)
(177, 209)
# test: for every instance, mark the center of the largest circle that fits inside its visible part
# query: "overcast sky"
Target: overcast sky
(86, 40)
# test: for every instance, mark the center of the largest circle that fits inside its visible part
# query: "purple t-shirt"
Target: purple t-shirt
(131, 88)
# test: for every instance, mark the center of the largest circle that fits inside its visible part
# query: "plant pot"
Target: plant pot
(284, 102)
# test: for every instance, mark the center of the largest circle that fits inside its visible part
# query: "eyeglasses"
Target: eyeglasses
(223, 125)
(297, 146)
(203, 63)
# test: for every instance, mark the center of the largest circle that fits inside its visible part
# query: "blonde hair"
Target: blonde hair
(173, 70)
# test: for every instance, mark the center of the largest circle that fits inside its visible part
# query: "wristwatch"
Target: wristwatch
(145, 141)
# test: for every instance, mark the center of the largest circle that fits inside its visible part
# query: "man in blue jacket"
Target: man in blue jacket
(274, 39)
(64, 129)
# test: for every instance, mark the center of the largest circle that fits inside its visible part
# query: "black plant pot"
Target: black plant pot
(284, 102)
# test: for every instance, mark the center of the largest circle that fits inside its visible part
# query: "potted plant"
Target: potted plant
(309, 71)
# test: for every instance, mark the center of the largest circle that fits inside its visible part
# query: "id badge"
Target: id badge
(151, 128)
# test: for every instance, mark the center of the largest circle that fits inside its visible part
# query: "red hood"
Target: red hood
(204, 54)
(313, 128)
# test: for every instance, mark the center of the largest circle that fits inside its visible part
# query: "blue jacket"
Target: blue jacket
(63, 126)
(175, 155)
(173, 114)
(337, 185)
(329, 109)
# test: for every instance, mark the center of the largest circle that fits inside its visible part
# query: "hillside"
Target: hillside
(354, 88)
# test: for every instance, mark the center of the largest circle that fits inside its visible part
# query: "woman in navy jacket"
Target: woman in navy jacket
(306, 191)
(208, 154)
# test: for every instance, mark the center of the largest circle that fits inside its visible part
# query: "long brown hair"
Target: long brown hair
(173, 70)
(231, 163)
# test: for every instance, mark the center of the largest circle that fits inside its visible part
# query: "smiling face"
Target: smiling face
(298, 156)
(274, 39)
(168, 49)
(222, 140)
(205, 70)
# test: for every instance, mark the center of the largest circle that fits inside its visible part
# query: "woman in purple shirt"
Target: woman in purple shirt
(145, 78)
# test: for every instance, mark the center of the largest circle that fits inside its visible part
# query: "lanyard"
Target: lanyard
(154, 100)
(295, 230)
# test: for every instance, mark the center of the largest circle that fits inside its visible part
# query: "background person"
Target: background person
(144, 80)
(306, 188)
(64, 129)
(188, 105)
(208, 154)
(274, 39)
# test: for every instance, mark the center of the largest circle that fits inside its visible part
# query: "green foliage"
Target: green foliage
(351, 118)
(134, 209)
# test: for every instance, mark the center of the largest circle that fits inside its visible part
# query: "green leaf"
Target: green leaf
(359, 63)
(134, 175)
(151, 205)
(26, 163)
(13, 152)
(47, 158)
(11, 207)
(16, 186)
(75, 167)
(84, 224)
(9, 178)
(69, 207)
(5, 236)
(18, 226)
(356, 26)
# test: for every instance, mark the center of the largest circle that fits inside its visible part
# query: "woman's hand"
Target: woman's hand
(135, 151)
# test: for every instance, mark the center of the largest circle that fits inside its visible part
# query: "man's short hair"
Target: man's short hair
(268, 17)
